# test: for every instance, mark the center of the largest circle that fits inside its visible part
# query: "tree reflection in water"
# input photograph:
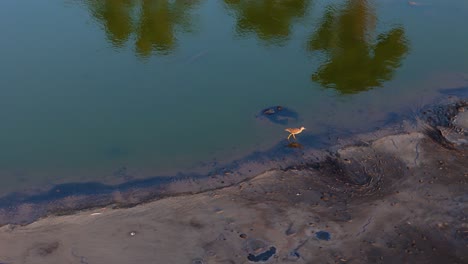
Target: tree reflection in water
(356, 59)
(270, 20)
(355, 62)
(153, 22)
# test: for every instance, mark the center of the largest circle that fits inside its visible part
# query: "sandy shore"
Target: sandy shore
(399, 198)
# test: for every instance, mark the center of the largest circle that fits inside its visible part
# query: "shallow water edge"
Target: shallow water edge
(384, 197)
(24, 208)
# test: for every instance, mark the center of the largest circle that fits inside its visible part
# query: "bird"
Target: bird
(294, 131)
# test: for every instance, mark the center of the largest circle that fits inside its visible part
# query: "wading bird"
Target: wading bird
(294, 131)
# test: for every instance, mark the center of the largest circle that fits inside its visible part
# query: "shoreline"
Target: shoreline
(390, 196)
(24, 208)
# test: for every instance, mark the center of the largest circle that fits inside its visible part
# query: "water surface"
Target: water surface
(111, 90)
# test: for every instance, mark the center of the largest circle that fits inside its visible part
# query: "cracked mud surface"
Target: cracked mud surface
(398, 199)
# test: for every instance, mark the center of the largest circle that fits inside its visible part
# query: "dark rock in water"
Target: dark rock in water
(262, 256)
(279, 114)
(323, 235)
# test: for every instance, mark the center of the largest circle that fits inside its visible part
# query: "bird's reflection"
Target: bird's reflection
(153, 23)
(294, 145)
(270, 20)
(355, 61)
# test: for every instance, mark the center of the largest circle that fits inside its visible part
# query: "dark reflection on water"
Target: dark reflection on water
(115, 16)
(294, 145)
(355, 62)
(357, 59)
(270, 20)
(153, 22)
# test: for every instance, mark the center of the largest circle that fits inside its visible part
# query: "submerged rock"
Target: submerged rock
(278, 115)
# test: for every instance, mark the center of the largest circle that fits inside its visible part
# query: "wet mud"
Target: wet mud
(396, 195)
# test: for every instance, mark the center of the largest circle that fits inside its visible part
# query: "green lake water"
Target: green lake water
(88, 87)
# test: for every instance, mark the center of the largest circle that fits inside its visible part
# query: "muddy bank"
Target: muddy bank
(28, 206)
(385, 198)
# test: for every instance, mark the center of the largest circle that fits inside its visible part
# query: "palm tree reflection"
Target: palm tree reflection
(270, 19)
(355, 62)
(154, 23)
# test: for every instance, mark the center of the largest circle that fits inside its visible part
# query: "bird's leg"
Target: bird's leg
(289, 136)
(293, 136)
